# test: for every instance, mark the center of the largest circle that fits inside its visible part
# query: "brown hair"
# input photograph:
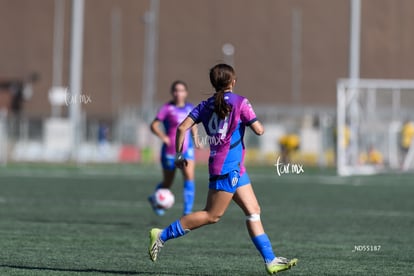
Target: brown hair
(178, 82)
(221, 77)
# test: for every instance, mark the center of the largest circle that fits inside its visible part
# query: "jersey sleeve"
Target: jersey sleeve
(162, 113)
(196, 113)
(247, 114)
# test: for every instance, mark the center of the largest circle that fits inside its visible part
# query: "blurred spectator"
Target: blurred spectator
(289, 143)
(344, 141)
(373, 157)
(407, 136)
(103, 139)
(19, 89)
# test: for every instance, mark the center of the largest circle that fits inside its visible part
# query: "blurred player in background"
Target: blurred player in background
(224, 116)
(171, 115)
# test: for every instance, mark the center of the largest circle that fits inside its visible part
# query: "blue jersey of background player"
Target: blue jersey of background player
(171, 115)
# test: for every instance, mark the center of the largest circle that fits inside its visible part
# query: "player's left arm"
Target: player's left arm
(188, 123)
(257, 128)
(248, 117)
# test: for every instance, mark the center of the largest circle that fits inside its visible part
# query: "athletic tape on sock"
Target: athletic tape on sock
(253, 217)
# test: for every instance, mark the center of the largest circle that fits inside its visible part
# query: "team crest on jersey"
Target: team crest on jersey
(234, 181)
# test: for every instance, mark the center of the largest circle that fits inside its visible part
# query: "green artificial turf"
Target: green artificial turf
(94, 220)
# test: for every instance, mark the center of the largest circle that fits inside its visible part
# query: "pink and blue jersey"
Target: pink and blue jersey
(225, 135)
(171, 116)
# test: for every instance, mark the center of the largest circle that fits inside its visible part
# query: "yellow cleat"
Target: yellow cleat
(155, 244)
(280, 264)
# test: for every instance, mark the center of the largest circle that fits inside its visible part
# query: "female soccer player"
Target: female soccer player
(224, 116)
(171, 115)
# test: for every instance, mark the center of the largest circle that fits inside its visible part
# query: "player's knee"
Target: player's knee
(254, 210)
(253, 217)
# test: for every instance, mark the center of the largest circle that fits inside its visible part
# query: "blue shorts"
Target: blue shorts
(229, 182)
(167, 160)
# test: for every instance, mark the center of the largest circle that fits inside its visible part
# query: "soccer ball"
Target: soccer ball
(164, 198)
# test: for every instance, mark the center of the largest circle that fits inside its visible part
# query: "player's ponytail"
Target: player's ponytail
(221, 77)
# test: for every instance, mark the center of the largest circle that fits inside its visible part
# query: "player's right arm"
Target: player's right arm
(155, 128)
(155, 125)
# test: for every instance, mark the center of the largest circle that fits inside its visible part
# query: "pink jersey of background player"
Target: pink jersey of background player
(171, 116)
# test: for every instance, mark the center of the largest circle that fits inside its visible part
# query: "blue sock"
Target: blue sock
(264, 246)
(173, 231)
(188, 195)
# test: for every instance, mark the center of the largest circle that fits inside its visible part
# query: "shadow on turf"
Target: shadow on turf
(104, 271)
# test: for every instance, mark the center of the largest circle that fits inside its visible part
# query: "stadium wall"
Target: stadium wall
(191, 34)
